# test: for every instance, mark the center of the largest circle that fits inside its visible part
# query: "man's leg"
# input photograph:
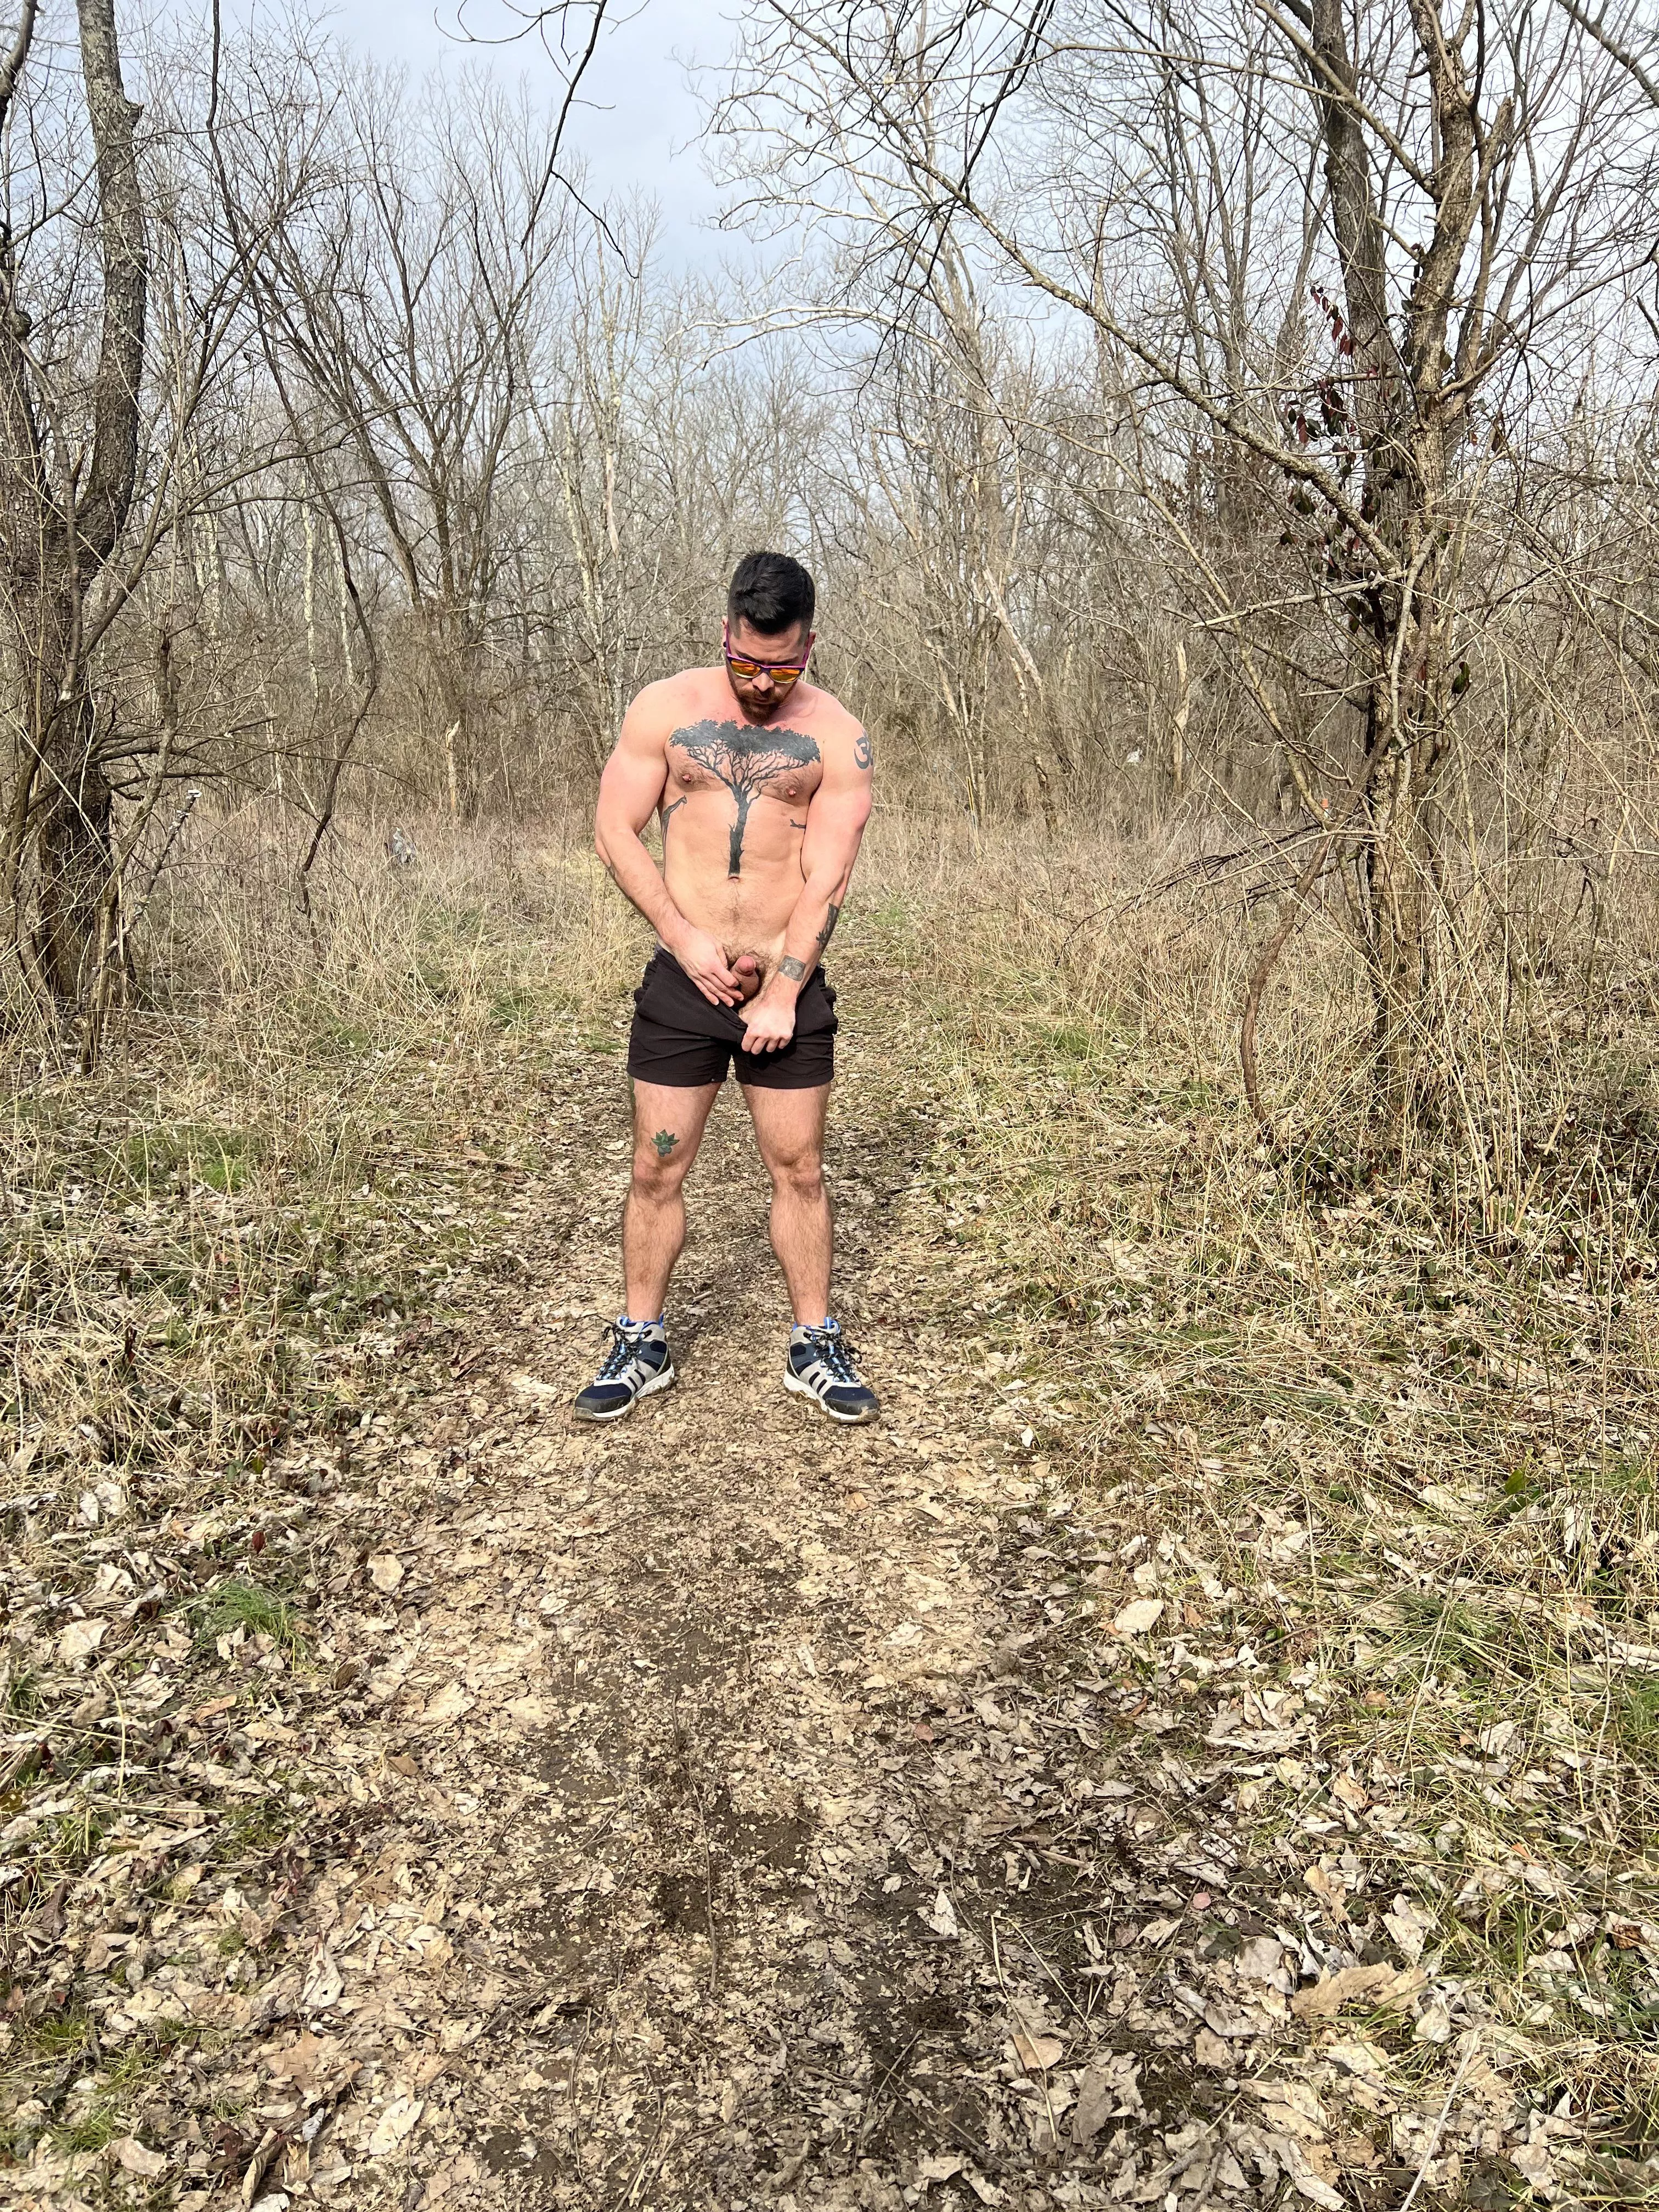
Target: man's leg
(668, 1125)
(789, 1126)
(789, 1129)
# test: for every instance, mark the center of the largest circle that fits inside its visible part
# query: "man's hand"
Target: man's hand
(703, 959)
(771, 1021)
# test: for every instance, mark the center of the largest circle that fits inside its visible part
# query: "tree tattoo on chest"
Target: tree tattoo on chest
(746, 761)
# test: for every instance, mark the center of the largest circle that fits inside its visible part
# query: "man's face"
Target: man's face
(761, 694)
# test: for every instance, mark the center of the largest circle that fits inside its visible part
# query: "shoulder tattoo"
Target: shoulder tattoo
(861, 749)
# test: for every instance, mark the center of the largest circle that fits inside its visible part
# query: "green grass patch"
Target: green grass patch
(1633, 1713)
(224, 1159)
(515, 1009)
(232, 1605)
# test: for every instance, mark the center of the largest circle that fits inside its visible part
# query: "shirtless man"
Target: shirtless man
(762, 785)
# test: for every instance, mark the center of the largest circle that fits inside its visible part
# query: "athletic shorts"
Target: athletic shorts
(679, 1039)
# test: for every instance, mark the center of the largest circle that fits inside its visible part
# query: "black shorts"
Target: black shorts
(679, 1039)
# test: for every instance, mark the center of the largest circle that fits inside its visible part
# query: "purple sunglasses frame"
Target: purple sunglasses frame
(797, 668)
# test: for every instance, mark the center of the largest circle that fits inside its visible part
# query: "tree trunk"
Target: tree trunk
(1405, 412)
(53, 541)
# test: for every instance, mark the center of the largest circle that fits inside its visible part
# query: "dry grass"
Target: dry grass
(1387, 1428)
(246, 1233)
(1380, 1435)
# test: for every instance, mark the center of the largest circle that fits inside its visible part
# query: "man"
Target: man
(762, 782)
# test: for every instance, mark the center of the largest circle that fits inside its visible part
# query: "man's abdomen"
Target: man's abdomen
(747, 912)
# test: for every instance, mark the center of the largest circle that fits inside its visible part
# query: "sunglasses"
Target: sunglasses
(780, 671)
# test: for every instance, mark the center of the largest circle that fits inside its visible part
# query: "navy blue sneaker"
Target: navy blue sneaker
(637, 1365)
(820, 1367)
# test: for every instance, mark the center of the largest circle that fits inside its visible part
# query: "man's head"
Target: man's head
(768, 630)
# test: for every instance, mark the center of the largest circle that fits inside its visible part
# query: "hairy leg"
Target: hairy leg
(669, 1121)
(789, 1128)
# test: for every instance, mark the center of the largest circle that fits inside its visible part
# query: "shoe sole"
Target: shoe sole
(847, 1421)
(657, 1382)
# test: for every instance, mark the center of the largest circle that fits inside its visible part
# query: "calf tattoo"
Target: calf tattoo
(746, 761)
(664, 1140)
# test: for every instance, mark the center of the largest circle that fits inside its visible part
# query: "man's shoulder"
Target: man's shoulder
(668, 700)
(833, 720)
(841, 735)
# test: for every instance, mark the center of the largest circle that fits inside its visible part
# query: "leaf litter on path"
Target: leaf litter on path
(726, 1811)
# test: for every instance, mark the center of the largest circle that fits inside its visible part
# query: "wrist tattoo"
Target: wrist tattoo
(793, 968)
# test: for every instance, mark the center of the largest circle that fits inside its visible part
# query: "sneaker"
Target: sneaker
(820, 1366)
(637, 1365)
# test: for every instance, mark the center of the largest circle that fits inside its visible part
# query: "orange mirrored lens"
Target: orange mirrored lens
(749, 670)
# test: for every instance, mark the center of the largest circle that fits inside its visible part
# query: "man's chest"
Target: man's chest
(778, 761)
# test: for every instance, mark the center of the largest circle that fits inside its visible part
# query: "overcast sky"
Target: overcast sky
(638, 120)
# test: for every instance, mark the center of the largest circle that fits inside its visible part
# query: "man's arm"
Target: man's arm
(840, 808)
(629, 792)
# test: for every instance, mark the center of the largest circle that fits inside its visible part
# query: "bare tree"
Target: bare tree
(402, 313)
(1461, 229)
(63, 505)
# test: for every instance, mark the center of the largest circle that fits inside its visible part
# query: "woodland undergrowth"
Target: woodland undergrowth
(1378, 1417)
(1379, 1405)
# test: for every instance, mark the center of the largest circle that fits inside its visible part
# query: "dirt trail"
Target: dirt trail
(731, 1852)
(740, 1816)
(679, 1671)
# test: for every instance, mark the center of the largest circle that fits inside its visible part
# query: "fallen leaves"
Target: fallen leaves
(395, 2125)
(1292, 2108)
(323, 1983)
(1411, 1928)
(845, 1817)
(1037, 2052)
(136, 2157)
(1380, 1988)
(1108, 2089)
(314, 2063)
(80, 1640)
(1304, 2175)
(940, 2165)
(942, 1919)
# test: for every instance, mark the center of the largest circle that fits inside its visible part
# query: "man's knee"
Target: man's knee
(658, 1173)
(799, 1170)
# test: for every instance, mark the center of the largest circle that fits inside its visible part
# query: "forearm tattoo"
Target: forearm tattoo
(793, 968)
(829, 929)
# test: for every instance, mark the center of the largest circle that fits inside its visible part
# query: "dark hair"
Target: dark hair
(771, 593)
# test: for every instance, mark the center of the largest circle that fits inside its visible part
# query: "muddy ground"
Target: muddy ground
(759, 1812)
(726, 1809)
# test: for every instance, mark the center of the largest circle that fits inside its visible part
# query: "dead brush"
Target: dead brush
(182, 1221)
(1378, 1430)
(222, 1254)
(1394, 1400)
